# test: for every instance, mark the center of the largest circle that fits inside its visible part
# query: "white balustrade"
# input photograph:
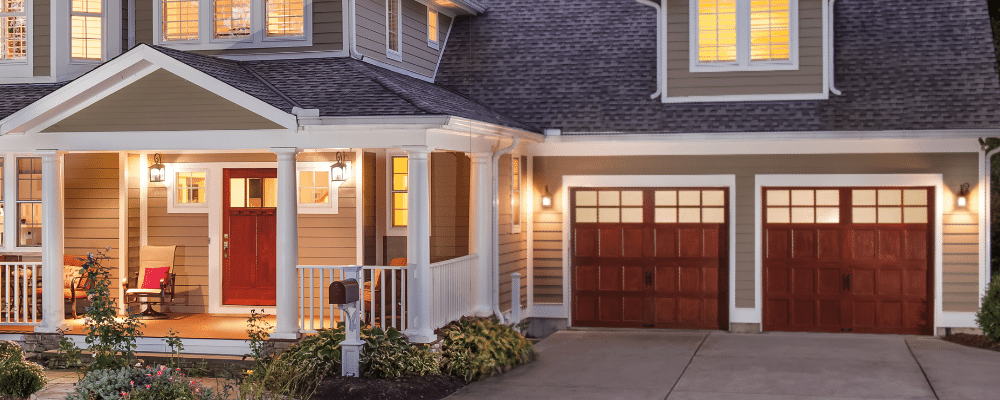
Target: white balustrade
(453, 289)
(382, 297)
(19, 291)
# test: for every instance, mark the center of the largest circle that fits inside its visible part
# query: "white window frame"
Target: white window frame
(389, 52)
(258, 21)
(434, 44)
(743, 62)
(20, 68)
(515, 221)
(103, 15)
(171, 184)
(16, 242)
(402, 230)
(331, 207)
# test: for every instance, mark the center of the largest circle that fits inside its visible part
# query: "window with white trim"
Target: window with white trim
(743, 35)
(432, 29)
(393, 27)
(187, 189)
(317, 194)
(1, 201)
(85, 29)
(14, 30)
(29, 201)
(515, 193)
(234, 23)
(399, 192)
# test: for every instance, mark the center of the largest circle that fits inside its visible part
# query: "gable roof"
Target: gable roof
(18, 96)
(589, 66)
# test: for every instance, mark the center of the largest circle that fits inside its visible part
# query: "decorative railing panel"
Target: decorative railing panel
(382, 296)
(453, 284)
(20, 292)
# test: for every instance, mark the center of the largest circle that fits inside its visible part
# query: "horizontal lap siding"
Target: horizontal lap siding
(91, 208)
(960, 267)
(144, 22)
(41, 38)
(328, 32)
(513, 250)
(189, 232)
(449, 206)
(418, 57)
(807, 79)
(134, 210)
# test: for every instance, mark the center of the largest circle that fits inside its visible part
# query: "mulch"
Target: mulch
(977, 341)
(431, 387)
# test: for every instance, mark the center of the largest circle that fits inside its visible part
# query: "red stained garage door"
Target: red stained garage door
(848, 259)
(650, 257)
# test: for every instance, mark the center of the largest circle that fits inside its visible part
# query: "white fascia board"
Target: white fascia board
(749, 97)
(757, 143)
(117, 73)
(289, 55)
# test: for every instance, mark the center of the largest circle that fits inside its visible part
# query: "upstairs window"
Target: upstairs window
(432, 28)
(285, 18)
(234, 23)
(232, 19)
(180, 20)
(85, 33)
(743, 35)
(14, 31)
(393, 26)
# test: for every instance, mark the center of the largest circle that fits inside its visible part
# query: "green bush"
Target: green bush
(988, 317)
(388, 354)
(110, 339)
(478, 347)
(138, 384)
(106, 384)
(19, 378)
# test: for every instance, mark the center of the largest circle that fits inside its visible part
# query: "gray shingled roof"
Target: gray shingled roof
(16, 97)
(589, 66)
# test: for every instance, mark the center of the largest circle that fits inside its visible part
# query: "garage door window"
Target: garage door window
(609, 206)
(803, 206)
(889, 206)
(690, 206)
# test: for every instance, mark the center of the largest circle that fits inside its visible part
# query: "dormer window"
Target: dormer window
(432, 29)
(393, 25)
(234, 23)
(744, 35)
(85, 31)
(14, 33)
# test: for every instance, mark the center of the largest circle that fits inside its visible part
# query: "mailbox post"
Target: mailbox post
(345, 294)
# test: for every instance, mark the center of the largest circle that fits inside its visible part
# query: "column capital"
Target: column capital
(286, 151)
(45, 153)
(417, 151)
(480, 157)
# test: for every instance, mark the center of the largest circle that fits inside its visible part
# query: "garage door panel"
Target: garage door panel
(889, 282)
(586, 243)
(863, 282)
(804, 312)
(779, 280)
(689, 310)
(830, 313)
(666, 310)
(864, 314)
(803, 280)
(863, 244)
(803, 244)
(889, 245)
(710, 306)
(916, 244)
(916, 283)
(632, 278)
(778, 243)
(828, 244)
(585, 307)
(666, 242)
(890, 314)
(633, 243)
(690, 242)
(690, 279)
(666, 279)
(778, 312)
(610, 243)
(632, 309)
(610, 278)
(586, 277)
(829, 281)
(710, 281)
(611, 308)
(711, 243)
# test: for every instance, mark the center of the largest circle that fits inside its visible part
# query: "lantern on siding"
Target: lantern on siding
(157, 171)
(338, 171)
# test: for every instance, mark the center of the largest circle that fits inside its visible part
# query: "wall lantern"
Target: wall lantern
(963, 195)
(547, 198)
(157, 171)
(339, 170)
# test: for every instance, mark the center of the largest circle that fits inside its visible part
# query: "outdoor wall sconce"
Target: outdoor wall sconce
(339, 170)
(157, 171)
(547, 198)
(963, 195)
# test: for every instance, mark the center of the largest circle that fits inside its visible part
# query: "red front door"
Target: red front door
(248, 239)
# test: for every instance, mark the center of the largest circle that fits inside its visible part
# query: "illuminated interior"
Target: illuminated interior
(85, 31)
(769, 30)
(716, 31)
(400, 169)
(14, 31)
(314, 187)
(180, 20)
(432, 26)
(29, 201)
(392, 23)
(718, 36)
(285, 18)
(515, 190)
(232, 19)
(190, 187)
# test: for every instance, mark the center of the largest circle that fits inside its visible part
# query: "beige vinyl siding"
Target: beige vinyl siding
(513, 254)
(327, 35)
(91, 208)
(330, 239)
(960, 267)
(681, 82)
(449, 206)
(124, 26)
(134, 210)
(189, 232)
(144, 22)
(370, 211)
(41, 25)
(418, 57)
(175, 105)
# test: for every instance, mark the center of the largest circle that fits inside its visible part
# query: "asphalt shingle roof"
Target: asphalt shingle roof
(16, 97)
(590, 65)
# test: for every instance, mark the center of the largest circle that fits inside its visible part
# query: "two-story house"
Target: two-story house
(745, 165)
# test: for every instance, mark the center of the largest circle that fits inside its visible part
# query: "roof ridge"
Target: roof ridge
(267, 83)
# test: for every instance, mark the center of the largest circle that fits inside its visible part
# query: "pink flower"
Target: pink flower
(131, 383)
(159, 373)
(147, 386)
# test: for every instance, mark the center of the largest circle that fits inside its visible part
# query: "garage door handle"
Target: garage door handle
(649, 278)
(847, 282)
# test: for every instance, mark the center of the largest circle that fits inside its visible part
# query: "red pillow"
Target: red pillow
(152, 278)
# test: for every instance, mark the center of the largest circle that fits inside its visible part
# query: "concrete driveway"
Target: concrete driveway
(717, 365)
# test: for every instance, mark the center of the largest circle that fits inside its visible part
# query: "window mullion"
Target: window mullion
(743, 33)
(205, 31)
(258, 20)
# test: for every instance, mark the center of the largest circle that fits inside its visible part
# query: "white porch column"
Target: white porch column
(418, 247)
(53, 310)
(287, 247)
(479, 229)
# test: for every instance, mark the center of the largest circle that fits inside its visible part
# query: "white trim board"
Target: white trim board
(644, 181)
(848, 180)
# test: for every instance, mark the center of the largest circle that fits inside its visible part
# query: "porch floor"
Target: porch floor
(188, 326)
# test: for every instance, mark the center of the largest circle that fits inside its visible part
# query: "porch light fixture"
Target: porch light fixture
(338, 171)
(546, 198)
(157, 171)
(963, 195)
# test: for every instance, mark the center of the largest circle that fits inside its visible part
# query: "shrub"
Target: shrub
(139, 384)
(388, 354)
(19, 378)
(110, 339)
(476, 347)
(105, 384)
(988, 317)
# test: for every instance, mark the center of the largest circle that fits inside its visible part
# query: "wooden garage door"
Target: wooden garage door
(650, 257)
(848, 259)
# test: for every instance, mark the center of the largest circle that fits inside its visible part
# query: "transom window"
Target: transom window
(393, 25)
(731, 35)
(250, 23)
(803, 206)
(889, 206)
(86, 29)
(847, 205)
(253, 192)
(690, 207)
(399, 192)
(13, 30)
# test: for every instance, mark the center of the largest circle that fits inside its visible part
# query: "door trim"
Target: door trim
(848, 180)
(644, 181)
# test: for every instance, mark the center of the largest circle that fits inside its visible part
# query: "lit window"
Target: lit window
(29, 202)
(432, 28)
(180, 20)
(253, 192)
(743, 33)
(515, 191)
(232, 19)
(285, 18)
(392, 28)
(1, 202)
(400, 170)
(189, 188)
(14, 30)
(86, 29)
(314, 187)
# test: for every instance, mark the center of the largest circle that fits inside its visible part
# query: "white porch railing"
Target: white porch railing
(453, 284)
(382, 295)
(19, 292)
